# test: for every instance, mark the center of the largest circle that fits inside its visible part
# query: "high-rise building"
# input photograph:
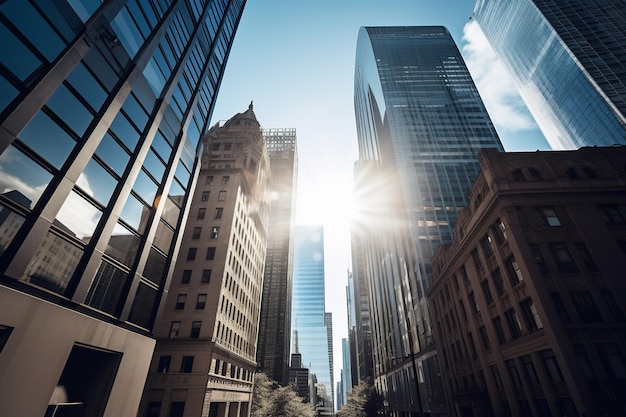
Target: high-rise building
(568, 60)
(420, 124)
(527, 296)
(309, 320)
(346, 374)
(102, 107)
(205, 357)
(275, 324)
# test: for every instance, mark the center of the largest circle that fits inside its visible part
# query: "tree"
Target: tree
(363, 401)
(269, 399)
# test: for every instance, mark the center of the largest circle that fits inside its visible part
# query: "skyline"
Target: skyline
(297, 80)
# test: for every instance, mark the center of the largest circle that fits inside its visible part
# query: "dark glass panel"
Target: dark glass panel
(139, 19)
(33, 26)
(155, 78)
(113, 154)
(54, 263)
(10, 224)
(127, 32)
(177, 192)
(89, 88)
(135, 112)
(78, 217)
(107, 288)
(145, 187)
(143, 310)
(123, 245)
(182, 173)
(161, 146)
(135, 214)
(62, 17)
(163, 237)
(101, 68)
(48, 139)
(171, 212)
(7, 93)
(154, 165)
(70, 110)
(125, 131)
(97, 182)
(155, 267)
(85, 8)
(22, 177)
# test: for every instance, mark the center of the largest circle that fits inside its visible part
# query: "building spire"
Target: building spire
(251, 105)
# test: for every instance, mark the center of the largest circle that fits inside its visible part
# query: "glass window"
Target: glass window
(54, 263)
(127, 32)
(181, 299)
(218, 212)
(531, 316)
(155, 267)
(487, 245)
(612, 360)
(154, 165)
(529, 370)
(135, 111)
(16, 56)
(174, 329)
(107, 288)
(145, 187)
(186, 364)
(201, 213)
(171, 212)
(7, 92)
(65, 105)
(135, 213)
(186, 276)
(85, 8)
(191, 254)
(164, 364)
(195, 329)
(143, 310)
(552, 366)
(562, 258)
(205, 195)
(113, 154)
(514, 374)
(215, 232)
(498, 281)
(201, 302)
(197, 231)
(560, 307)
(123, 245)
(541, 263)
(125, 131)
(585, 256)
(221, 196)
(209, 180)
(612, 214)
(163, 236)
(484, 338)
(550, 217)
(515, 326)
(10, 224)
(499, 231)
(22, 179)
(225, 179)
(78, 216)
(87, 86)
(206, 276)
(487, 291)
(5, 332)
(585, 306)
(210, 253)
(47, 139)
(97, 182)
(499, 328)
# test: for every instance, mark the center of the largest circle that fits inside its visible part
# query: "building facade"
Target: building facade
(568, 60)
(420, 124)
(205, 357)
(103, 106)
(526, 300)
(309, 321)
(275, 324)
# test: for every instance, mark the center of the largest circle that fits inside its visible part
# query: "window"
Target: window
(174, 329)
(583, 255)
(462, 308)
(512, 268)
(484, 338)
(498, 281)
(562, 258)
(221, 196)
(612, 360)
(496, 377)
(515, 326)
(585, 306)
(529, 370)
(514, 374)
(195, 329)
(499, 231)
(206, 276)
(612, 214)
(534, 174)
(487, 245)
(180, 301)
(228, 146)
(205, 195)
(538, 257)
(552, 365)
(164, 364)
(614, 309)
(201, 301)
(210, 253)
(186, 277)
(187, 364)
(225, 179)
(518, 175)
(487, 291)
(215, 146)
(196, 233)
(218, 212)
(191, 254)
(531, 316)
(215, 232)
(218, 365)
(5, 331)
(201, 213)
(499, 328)
(472, 301)
(560, 307)
(550, 217)
(177, 408)
(476, 258)
(209, 180)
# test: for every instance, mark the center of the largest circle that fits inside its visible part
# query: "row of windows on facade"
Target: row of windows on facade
(219, 367)
(612, 214)
(226, 146)
(209, 180)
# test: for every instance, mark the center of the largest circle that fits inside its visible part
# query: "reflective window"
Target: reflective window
(155, 267)
(127, 32)
(161, 146)
(107, 288)
(113, 154)
(123, 245)
(33, 26)
(16, 56)
(47, 139)
(7, 92)
(61, 16)
(135, 112)
(78, 217)
(124, 131)
(65, 105)
(182, 174)
(171, 212)
(84, 82)
(97, 182)
(154, 165)
(22, 176)
(135, 213)
(145, 187)
(84, 8)
(10, 224)
(163, 237)
(155, 78)
(102, 69)
(143, 310)
(54, 263)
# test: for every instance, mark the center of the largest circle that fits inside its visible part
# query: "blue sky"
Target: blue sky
(295, 60)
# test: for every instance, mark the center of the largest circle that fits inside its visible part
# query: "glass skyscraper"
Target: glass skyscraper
(309, 320)
(102, 105)
(568, 60)
(420, 124)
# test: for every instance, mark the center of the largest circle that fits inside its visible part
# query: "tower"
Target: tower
(275, 323)
(568, 60)
(101, 114)
(420, 124)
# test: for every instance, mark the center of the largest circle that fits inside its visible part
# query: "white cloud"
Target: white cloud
(505, 106)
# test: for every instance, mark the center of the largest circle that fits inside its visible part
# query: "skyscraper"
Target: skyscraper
(309, 321)
(568, 60)
(102, 108)
(205, 357)
(420, 124)
(275, 324)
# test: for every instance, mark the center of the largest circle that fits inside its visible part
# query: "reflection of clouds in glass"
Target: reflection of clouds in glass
(317, 256)
(83, 183)
(79, 216)
(9, 183)
(20, 173)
